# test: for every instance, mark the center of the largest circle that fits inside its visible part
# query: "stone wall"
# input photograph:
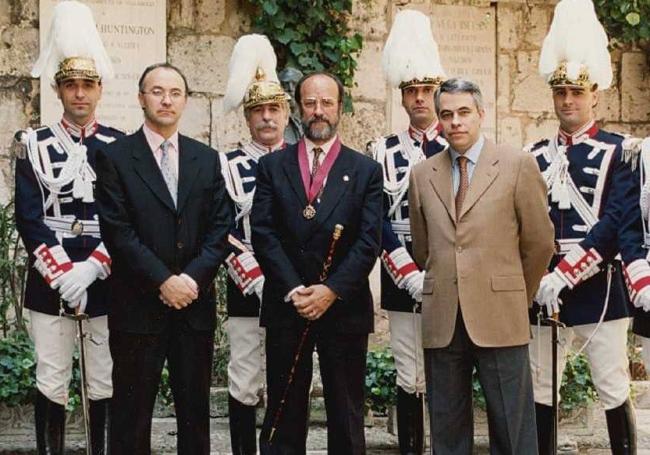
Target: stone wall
(201, 34)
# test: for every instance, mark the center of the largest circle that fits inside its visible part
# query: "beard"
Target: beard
(320, 133)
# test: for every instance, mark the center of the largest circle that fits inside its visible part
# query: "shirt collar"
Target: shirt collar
(472, 154)
(264, 149)
(78, 131)
(431, 132)
(325, 147)
(155, 140)
(583, 133)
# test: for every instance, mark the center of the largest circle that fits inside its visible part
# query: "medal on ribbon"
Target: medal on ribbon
(314, 186)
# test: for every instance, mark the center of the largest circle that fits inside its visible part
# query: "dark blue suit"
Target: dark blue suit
(291, 251)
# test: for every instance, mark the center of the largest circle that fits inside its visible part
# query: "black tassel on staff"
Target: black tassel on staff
(336, 235)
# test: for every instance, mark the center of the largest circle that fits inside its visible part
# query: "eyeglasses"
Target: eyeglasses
(326, 103)
(158, 93)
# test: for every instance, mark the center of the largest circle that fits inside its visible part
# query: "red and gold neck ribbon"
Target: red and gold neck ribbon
(316, 184)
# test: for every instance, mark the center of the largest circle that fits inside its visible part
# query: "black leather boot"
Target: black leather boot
(50, 426)
(410, 423)
(242, 427)
(621, 426)
(544, 418)
(100, 424)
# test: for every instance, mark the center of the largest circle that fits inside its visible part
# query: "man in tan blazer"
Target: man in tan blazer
(481, 232)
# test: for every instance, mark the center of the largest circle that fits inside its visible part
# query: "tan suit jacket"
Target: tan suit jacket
(492, 260)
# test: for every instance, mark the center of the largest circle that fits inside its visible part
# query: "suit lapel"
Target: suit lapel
(484, 174)
(292, 171)
(442, 184)
(147, 168)
(188, 168)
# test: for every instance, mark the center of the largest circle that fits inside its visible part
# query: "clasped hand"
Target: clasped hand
(313, 301)
(178, 291)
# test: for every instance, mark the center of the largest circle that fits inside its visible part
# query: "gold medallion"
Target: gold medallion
(309, 212)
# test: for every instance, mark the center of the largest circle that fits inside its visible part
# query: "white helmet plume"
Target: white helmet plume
(411, 53)
(72, 33)
(576, 45)
(252, 53)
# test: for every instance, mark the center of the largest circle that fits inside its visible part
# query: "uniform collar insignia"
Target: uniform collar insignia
(586, 132)
(430, 133)
(80, 132)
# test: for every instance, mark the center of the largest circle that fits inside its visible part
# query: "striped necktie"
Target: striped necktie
(168, 171)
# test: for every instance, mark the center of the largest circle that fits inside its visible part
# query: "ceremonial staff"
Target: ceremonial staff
(336, 235)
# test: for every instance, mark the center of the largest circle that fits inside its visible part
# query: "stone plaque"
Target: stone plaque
(466, 37)
(134, 33)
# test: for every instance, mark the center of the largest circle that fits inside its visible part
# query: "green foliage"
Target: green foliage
(381, 389)
(17, 369)
(577, 388)
(626, 21)
(311, 36)
(13, 266)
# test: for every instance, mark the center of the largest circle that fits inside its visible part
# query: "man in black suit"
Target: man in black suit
(165, 217)
(303, 191)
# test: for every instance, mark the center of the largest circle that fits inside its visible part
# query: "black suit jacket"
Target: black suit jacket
(291, 249)
(149, 239)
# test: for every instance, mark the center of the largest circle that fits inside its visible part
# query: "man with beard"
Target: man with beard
(303, 192)
(56, 216)
(590, 189)
(413, 66)
(253, 82)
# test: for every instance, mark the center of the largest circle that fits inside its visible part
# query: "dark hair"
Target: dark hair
(458, 85)
(339, 85)
(169, 66)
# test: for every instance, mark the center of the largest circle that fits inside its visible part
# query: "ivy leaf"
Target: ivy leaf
(633, 18)
(298, 48)
(270, 7)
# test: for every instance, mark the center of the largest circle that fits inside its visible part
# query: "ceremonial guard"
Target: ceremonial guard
(411, 64)
(635, 252)
(589, 189)
(57, 220)
(253, 82)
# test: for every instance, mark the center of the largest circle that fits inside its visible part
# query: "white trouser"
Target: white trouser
(645, 351)
(406, 344)
(246, 364)
(54, 339)
(606, 353)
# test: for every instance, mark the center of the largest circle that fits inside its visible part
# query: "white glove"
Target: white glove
(77, 280)
(81, 302)
(643, 299)
(413, 283)
(548, 293)
(258, 288)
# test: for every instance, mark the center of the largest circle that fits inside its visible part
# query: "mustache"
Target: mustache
(266, 124)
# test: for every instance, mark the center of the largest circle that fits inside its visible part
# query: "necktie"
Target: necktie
(316, 164)
(464, 184)
(168, 171)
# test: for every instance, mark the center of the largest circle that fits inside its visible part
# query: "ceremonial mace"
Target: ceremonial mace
(79, 317)
(336, 235)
